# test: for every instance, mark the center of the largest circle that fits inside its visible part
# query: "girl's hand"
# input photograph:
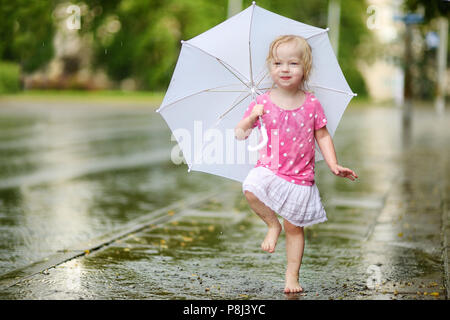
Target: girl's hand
(258, 110)
(343, 172)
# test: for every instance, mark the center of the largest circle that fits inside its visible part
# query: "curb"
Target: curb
(445, 235)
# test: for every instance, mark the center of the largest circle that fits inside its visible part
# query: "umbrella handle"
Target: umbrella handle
(265, 138)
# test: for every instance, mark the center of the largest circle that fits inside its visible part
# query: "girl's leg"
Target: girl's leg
(269, 217)
(295, 243)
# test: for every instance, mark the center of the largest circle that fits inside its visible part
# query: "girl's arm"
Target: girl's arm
(326, 145)
(243, 128)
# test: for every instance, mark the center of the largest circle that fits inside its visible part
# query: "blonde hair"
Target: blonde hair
(304, 51)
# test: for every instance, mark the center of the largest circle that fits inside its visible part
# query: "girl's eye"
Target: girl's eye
(294, 63)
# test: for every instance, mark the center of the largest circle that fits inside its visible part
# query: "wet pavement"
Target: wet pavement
(91, 207)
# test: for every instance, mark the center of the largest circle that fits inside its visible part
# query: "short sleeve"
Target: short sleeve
(320, 120)
(248, 111)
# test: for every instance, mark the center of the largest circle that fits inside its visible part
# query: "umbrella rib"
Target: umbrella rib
(195, 93)
(250, 47)
(318, 33)
(265, 75)
(211, 90)
(226, 65)
(231, 108)
(332, 89)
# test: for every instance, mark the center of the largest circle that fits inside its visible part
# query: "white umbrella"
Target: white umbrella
(218, 74)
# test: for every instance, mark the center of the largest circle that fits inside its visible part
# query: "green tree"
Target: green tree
(148, 43)
(26, 32)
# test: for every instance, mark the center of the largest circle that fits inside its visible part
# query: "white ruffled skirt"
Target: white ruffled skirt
(300, 205)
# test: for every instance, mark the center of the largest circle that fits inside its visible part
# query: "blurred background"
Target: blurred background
(133, 45)
(83, 152)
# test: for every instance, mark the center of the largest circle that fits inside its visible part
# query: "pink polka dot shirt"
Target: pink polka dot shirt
(290, 150)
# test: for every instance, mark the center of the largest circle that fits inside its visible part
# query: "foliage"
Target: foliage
(9, 77)
(26, 32)
(148, 43)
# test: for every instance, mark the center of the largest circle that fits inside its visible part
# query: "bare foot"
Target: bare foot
(292, 285)
(270, 241)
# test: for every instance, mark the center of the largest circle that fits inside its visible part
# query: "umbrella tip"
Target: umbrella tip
(254, 2)
(182, 41)
(327, 29)
(355, 94)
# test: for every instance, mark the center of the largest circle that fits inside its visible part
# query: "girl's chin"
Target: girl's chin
(288, 85)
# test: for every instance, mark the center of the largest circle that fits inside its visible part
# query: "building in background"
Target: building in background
(384, 75)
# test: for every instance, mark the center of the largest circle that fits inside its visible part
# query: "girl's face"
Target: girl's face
(286, 69)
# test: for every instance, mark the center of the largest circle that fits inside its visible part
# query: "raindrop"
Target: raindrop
(106, 51)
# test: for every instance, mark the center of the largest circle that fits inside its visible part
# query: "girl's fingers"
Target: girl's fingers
(349, 174)
(349, 171)
(345, 173)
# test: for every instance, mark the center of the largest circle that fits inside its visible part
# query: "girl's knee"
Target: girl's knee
(291, 228)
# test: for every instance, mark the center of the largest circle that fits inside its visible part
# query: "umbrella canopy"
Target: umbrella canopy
(219, 73)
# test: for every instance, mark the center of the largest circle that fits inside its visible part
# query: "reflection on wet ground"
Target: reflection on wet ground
(69, 175)
(100, 170)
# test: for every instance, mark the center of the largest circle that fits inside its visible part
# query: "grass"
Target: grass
(364, 101)
(107, 96)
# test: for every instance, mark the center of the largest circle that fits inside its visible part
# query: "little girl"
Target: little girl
(283, 179)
